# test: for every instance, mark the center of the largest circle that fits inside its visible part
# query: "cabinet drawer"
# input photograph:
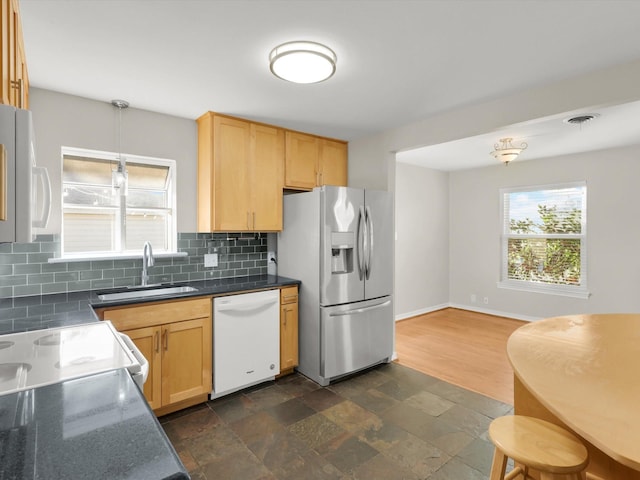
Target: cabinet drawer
(139, 316)
(288, 295)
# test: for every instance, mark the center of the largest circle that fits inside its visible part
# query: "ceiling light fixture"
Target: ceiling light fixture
(302, 62)
(119, 175)
(506, 152)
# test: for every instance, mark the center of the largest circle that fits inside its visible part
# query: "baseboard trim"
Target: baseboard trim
(422, 311)
(471, 308)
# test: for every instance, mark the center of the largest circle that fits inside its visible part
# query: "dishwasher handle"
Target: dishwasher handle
(244, 306)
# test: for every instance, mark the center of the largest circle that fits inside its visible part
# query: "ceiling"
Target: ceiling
(399, 61)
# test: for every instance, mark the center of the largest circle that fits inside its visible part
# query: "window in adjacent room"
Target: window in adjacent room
(544, 239)
(102, 219)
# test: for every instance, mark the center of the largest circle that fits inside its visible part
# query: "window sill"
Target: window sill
(113, 256)
(561, 290)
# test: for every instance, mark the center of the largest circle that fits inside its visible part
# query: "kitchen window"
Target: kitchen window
(103, 219)
(544, 239)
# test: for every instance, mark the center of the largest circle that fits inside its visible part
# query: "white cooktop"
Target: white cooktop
(42, 357)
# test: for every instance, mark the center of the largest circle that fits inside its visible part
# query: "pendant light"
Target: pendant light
(119, 178)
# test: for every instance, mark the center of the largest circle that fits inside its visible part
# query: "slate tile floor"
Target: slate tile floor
(390, 422)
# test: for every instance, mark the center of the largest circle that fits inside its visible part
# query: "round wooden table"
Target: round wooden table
(583, 372)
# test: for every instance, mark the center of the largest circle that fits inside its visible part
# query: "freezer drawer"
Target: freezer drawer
(355, 336)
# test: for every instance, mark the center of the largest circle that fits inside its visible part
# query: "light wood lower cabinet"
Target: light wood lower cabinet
(288, 329)
(175, 337)
(148, 342)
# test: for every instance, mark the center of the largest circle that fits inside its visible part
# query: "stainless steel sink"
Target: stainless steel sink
(148, 292)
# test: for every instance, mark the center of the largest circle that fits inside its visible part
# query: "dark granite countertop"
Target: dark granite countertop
(58, 310)
(97, 427)
(219, 286)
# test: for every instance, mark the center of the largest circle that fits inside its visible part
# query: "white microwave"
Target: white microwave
(25, 189)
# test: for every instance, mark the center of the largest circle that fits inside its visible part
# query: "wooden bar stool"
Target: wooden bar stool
(536, 444)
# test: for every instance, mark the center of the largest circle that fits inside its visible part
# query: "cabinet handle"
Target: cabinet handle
(157, 341)
(288, 298)
(248, 222)
(254, 220)
(17, 84)
(165, 339)
(286, 310)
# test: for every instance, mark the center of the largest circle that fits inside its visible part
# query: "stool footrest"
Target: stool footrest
(513, 473)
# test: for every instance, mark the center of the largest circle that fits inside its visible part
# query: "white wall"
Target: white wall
(71, 121)
(422, 245)
(369, 156)
(371, 165)
(613, 233)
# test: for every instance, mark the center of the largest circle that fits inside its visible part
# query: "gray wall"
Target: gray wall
(71, 121)
(613, 233)
(370, 156)
(422, 244)
(372, 165)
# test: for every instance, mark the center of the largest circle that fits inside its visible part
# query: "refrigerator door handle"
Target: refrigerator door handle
(369, 223)
(360, 242)
(360, 310)
(43, 175)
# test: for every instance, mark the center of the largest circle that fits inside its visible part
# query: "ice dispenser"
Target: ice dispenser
(342, 244)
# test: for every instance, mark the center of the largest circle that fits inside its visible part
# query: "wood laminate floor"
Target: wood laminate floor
(464, 348)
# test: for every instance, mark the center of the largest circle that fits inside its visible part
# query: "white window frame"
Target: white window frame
(172, 234)
(577, 291)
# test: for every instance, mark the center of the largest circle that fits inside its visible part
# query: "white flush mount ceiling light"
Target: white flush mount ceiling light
(302, 62)
(506, 152)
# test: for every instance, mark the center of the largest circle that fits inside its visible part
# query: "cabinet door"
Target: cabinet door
(333, 163)
(186, 359)
(231, 195)
(288, 328)
(148, 342)
(288, 336)
(21, 79)
(301, 161)
(7, 59)
(267, 154)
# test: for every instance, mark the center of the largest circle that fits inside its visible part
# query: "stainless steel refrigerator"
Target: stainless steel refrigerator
(339, 242)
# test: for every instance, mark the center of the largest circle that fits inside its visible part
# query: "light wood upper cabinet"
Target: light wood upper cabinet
(266, 183)
(312, 161)
(175, 337)
(14, 87)
(301, 160)
(240, 171)
(333, 162)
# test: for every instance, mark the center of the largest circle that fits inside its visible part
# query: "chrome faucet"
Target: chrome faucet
(147, 261)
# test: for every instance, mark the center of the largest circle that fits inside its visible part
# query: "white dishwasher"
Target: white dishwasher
(246, 340)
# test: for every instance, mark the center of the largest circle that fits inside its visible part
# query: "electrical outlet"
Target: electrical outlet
(211, 260)
(486, 300)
